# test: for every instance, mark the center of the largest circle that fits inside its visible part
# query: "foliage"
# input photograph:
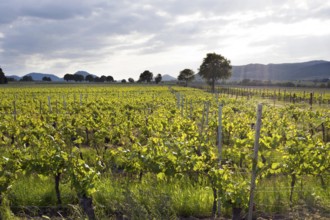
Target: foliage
(89, 78)
(146, 76)
(131, 80)
(215, 67)
(158, 78)
(186, 75)
(78, 77)
(47, 79)
(27, 78)
(3, 79)
(68, 77)
(164, 133)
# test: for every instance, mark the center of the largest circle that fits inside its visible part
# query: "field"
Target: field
(161, 152)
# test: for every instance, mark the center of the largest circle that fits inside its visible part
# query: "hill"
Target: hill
(317, 69)
(283, 72)
(167, 77)
(14, 77)
(39, 76)
(84, 73)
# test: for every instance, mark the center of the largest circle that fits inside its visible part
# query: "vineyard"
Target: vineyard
(158, 152)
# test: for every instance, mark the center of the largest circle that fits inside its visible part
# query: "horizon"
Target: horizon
(61, 76)
(124, 38)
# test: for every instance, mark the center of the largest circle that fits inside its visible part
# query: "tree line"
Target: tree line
(213, 68)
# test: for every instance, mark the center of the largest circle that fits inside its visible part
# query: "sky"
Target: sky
(123, 38)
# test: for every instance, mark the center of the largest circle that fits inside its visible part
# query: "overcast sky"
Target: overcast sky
(124, 38)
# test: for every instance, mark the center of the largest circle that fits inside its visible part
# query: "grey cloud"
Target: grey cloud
(80, 30)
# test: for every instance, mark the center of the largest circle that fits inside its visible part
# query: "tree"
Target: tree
(123, 81)
(89, 78)
(103, 78)
(47, 79)
(78, 77)
(186, 75)
(146, 76)
(110, 79)
(68, 77)
(158, 78)
(215, 67)
(131, 80)
(27, 78)
(3, 79)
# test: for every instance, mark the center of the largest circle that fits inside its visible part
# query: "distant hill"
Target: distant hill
(14, 77)
(39, 76)
(84, 73)
(283, 72)
(317, 69)
(167, 77)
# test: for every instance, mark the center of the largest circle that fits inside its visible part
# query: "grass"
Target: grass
(126, 197)
(272, 196)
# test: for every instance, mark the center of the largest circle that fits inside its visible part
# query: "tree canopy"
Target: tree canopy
(3, 79)
(68, 77)
(146, 76)
(215, 67)
(27, 78)
(110, 79)
(89, 78)
(158, 78)
(78, 77)
(47, 79)
(186, 75)
(131, 80)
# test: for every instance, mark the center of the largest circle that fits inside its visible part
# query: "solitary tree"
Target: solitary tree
(3, 79)
(186, 75)
(146, 76)
(123, 81)
(215, 67)
(131, 80)
(158, 78)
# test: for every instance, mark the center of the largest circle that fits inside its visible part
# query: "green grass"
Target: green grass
(163, 199)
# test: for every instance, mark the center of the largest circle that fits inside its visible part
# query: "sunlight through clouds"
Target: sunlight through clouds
(98, 36)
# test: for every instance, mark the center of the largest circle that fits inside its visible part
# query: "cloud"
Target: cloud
(59, 36)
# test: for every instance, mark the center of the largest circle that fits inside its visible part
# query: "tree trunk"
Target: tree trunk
(237, 213)
(293, 182)
(86, 204)
(57, 188)
(214, 208)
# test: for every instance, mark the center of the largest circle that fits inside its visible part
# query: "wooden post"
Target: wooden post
(49, 105)
(182, 105)
(219, 141)
(14, 103)
(178, 100)
(203, 117)
(64, 102)
(190, 108)
(207, 113)
(255, 161)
